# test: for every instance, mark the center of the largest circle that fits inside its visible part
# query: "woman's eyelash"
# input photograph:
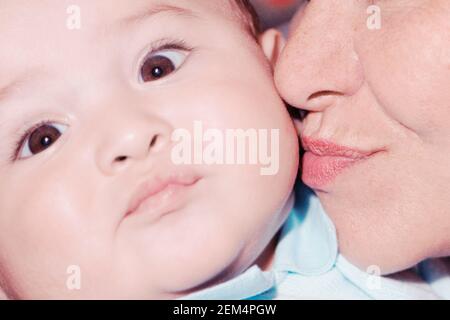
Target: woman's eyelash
(23, 135)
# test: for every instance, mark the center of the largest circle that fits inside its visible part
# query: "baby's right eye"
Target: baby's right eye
(39, 138)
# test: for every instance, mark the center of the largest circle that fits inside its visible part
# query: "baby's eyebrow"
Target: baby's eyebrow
(150, 12)
(8, 88)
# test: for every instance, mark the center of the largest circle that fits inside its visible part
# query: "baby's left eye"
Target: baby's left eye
(161, 64)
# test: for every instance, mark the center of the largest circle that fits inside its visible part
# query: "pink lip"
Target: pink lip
(325, 160)
(160, 195)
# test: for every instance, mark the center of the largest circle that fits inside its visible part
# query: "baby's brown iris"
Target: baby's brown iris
(156, 67)
(42, 138)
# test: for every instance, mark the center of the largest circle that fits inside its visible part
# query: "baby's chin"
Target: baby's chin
(176, 255)
(212, 275)
(206, 268)
(219, 260)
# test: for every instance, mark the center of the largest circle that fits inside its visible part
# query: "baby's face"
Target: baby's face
(99, 105)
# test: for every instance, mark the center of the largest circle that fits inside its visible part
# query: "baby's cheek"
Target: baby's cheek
(36, 240)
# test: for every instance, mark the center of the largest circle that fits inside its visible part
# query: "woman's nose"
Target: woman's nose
(131, 140)
(319, 63)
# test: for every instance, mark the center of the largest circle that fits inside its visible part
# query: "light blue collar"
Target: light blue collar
(307, 246)
(308, 243)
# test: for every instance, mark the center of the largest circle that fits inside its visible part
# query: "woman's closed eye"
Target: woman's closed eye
(38, 139)
(163, 61)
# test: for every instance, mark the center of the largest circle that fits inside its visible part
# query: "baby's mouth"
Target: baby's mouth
(160, 196)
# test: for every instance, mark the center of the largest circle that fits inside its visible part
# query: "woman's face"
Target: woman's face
(374, 77)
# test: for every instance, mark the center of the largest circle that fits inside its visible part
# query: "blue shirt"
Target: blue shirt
(307, 265)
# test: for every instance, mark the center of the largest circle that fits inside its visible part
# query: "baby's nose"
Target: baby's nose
(129, 143)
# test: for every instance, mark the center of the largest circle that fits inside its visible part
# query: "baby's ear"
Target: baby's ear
(272, 43)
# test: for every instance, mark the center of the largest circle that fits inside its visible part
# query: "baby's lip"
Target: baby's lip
(156, 186)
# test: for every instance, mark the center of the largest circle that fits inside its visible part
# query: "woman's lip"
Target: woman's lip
(324, 148)
(323, 161)
(318, 171)
(160, 195)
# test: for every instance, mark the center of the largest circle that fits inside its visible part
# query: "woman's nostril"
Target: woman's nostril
(321, 100)
(325, 93)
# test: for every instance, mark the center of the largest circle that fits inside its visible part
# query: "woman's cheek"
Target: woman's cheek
(416, 56)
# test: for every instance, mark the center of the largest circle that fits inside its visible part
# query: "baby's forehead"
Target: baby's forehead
(30, 25)
(44, 34)
(102, 11)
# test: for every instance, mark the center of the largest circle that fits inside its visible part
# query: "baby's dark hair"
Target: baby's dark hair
(251, 16)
